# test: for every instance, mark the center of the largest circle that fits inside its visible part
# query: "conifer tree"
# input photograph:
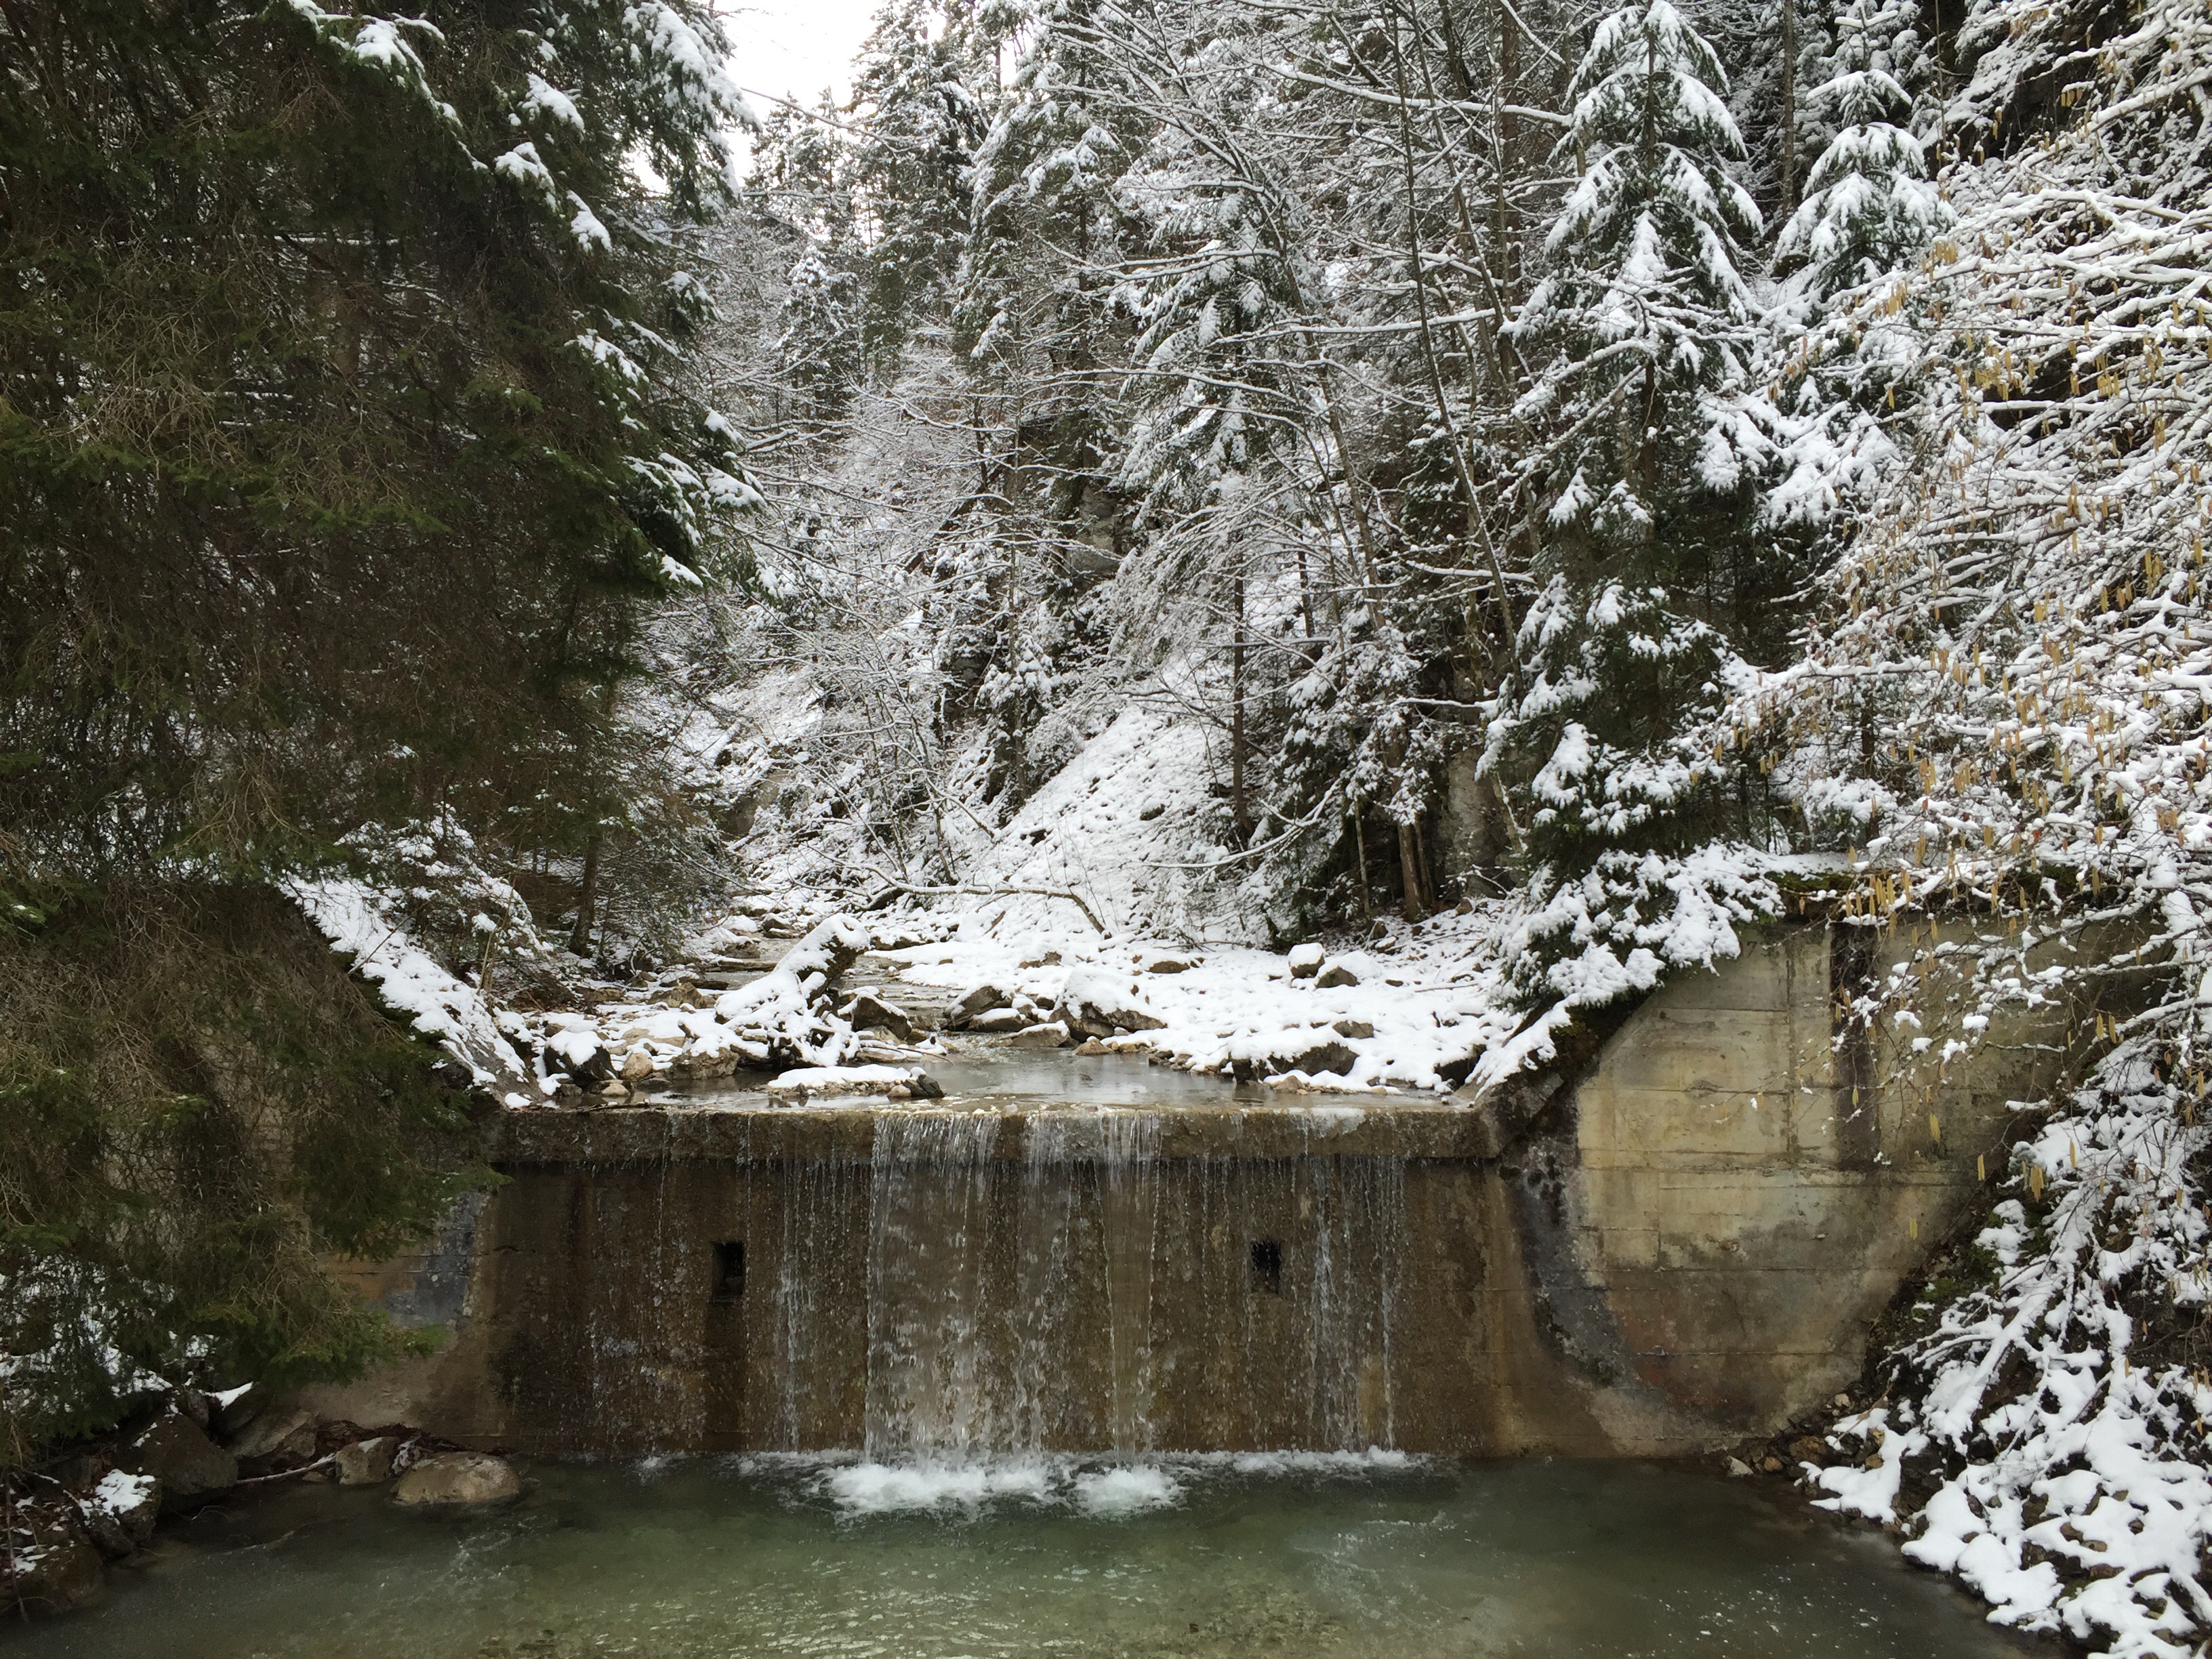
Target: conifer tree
(1645, 302)
(820, 353)
(926, 80)
(342, 424)
(1868, 206)
(1646, 565)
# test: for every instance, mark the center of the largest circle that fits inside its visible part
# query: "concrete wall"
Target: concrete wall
(1687, 1247)
(1740, 1183)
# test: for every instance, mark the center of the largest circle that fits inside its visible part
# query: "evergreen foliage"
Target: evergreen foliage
(340, 441)
(1868, 206)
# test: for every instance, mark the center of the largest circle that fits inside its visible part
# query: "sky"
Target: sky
(793, 48)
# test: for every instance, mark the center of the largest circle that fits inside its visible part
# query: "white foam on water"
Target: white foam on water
(1131, 1490)
(885, 1488)
(1374, 1460)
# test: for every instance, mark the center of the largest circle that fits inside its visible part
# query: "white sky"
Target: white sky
(793, 48)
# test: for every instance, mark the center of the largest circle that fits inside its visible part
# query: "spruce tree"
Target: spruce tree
(1868, 206)
(342, 429)
(1647, 569)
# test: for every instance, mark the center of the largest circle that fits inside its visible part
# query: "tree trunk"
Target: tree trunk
(580, 937)
(1237, 805)
(1788, 106)
(1359, 842)
(1409, 862)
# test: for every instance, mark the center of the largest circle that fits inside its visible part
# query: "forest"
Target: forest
(1585, 482)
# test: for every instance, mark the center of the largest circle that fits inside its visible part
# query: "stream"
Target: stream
(1375, 1556)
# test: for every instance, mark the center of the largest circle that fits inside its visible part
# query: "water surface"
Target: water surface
(1320, 1558)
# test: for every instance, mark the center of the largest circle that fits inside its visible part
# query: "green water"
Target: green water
(1192, 1557)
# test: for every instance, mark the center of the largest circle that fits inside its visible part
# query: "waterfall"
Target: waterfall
(940, 1285)
(928, 1237)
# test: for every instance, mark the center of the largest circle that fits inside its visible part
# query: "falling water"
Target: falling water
(939, 1285)
(930, 1217)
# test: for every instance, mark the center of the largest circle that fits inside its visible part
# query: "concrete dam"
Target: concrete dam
(1676, 1239)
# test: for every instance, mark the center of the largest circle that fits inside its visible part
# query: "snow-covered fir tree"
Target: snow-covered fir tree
(1869, 206)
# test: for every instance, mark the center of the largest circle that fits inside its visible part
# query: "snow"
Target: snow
(360, 924)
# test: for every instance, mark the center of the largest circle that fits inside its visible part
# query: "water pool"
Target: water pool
(1321, 1558)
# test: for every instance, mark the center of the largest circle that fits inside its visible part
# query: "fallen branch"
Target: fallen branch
(896, 886)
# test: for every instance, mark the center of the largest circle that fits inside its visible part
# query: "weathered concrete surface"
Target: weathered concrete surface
(1687, 1244)
(1722, 1205)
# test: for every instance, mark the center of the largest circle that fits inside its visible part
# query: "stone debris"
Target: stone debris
(867, 1012)
(366, 1462)
(459, 1480)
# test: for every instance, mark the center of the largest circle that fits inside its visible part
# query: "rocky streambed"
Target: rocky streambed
(109, 1502)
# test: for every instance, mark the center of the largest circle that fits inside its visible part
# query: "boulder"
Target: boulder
(976, 1001)
(190, 1467)
(1169, 964)
(1099, 1003)
(120, 1509)
(1321, 1057)
(1050, 1034)
(60, 1571)
(581, 1054)
(457, 1478)
(366, 1462)
(273, 1430)
(999, 1019)
(637, 1065)
(236, 1408)
(1092, 1046)
(1335, 974)
(867, 1012)
(1353, 1030)
(1306, 960)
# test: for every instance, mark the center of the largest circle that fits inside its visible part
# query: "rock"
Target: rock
(1809, 1448)
(637, 1065)
(1737, 1468)
(366, 1462)
(1049, 959)
(1092, 1046)
(581, 1054)
(234, 1408)
(193, 1404)
(1352, 1029)
(60, 1571)
(1464, 908)
(1321, 1057)
(867, 1012)
(177, 1452)
(976, 1001)
(458, 1478)
(1050, 1034)
(1336, 974)
(1771, 1464)
(120, 1509)
(273, 1429)
(1306, 960)
(1164, 964)
(612, 1094)
(999, 1019)
(1843, 1402)
(1099, 1003)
